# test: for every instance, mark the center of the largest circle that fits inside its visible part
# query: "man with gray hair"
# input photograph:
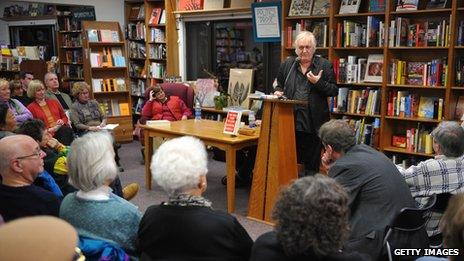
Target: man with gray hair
(53, 92)
(21, 161)
(376, 189)
(442, 174)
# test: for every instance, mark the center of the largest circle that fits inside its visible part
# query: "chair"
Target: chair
(180, 90)
(409, 220)
(440, 206)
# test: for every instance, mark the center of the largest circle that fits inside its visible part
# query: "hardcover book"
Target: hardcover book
(349, 6)
(300, 7)
(374, 71)
(92, 34)
(377, 5)
(189, 5)
(155, 16)
(407, 5)
(320, 8)
(434, 4)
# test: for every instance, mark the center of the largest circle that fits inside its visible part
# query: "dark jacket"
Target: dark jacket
(377, 192)
(318, 93)
(192, 233)
(268, 248)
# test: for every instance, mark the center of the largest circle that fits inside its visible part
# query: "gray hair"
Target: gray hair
(338, 134)
(48, 75)
(178, 164)
(32, 88)
(305, 35)
(302, 208)
(91, 161)
(449, 135)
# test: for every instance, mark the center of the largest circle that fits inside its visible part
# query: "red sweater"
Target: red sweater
(55, 109)
(154, 109)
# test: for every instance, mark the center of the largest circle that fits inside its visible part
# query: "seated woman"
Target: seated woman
(186, 227)
(86, 115)
(162, 107)
(93, 210)
(312, 223)
(17, 92)
(49, 112)
(7, 121)
(20, 112)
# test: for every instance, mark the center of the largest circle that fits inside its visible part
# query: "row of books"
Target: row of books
(136, 31)
(318, 28)
(68, 24)
(157, 35)
(416, 140)
(404, 104)
(138, 87)
(306, 8)
(366, 101)
(459, 80)
(350, 70)
(408, 5)
(157, 70)
(137, 108)
(105, 36)
(73, 56)
(158, 51)
(114, 107)
(70, 40)
(108, 85)
(433, 73)
(137, 70)
(108, 57)
(356, 34)
(403, 32)
(137, 50)
(366, 133)
(137, 12)
(460, 34)
(73, 71)
(157, 17)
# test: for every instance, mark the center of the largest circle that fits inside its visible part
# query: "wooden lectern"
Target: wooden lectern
(276, 163)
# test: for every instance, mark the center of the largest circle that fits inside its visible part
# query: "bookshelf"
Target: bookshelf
(151, 38)
(428, 72)
(105, 70)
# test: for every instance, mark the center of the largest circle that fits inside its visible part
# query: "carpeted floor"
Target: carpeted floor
(216, 192)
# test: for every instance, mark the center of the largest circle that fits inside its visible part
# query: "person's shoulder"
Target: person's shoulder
(267, 238)
(43, 194)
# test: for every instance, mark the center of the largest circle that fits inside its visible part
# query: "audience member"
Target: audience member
(38, 238)
(376, 189)
(299, 212)
(442, 174)
(93, 210)
(186, 226)
(7, 121)
(21, 161)
(20, 112)
(53, 92)
(50, 112)
(18, 93)
(25, 78)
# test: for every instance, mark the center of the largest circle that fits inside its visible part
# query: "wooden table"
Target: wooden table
(210, 132)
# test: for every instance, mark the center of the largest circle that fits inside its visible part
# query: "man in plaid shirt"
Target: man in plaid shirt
(442, 174)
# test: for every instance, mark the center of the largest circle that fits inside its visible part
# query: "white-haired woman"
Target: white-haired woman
(93, 210)
(186, 227)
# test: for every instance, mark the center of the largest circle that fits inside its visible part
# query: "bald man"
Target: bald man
(21, 161)
(53, 92)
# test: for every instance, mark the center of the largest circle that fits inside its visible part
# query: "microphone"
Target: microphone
(297, 60)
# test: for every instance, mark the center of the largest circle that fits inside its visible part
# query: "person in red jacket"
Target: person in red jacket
(163, 107)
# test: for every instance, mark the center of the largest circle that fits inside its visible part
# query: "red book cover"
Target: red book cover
(155, 16)
(289, 36)
(188, 5)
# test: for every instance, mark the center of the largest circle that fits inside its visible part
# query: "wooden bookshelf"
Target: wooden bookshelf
(115, 95)
(449, 52)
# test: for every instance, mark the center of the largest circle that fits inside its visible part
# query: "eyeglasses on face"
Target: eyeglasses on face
(302, 47)
(37, 155)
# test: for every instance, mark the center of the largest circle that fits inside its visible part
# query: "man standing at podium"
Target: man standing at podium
(307, 78)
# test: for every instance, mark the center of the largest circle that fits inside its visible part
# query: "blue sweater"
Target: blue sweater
(115, 220)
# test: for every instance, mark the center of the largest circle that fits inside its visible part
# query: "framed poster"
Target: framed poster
(266, 21)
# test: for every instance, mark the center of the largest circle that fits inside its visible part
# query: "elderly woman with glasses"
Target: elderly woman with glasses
(312, 223)
(7, 121)
(94, 210)
(20, 112)
(186, 227)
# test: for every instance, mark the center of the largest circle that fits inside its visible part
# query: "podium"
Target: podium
(276, 162)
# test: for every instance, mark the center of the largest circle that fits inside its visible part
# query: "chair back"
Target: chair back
(180, 90)
(442, 202)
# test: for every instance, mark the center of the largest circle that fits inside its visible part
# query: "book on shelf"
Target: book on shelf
(108, 57)
(134, 12)
(459, 77)
(136, 31)
(374, 70)
(157, 35)
(320, 8)
(426, 107)
(155, 16)
(459, 108)
(73, 71)
(163, 17)
(136, 50)
(377, 5)
(406, 5)
(431, 73)
(138, 106)
(141, 14)
(460, 34)
(373, 32)
(300, 8)
(158, 51)
(157, 70)
(106, 36)
(213, 4)
(189, 5)
(435, 4)
(349, 6)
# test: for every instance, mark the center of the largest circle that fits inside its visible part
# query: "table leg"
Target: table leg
(230, 169)
(148, 153)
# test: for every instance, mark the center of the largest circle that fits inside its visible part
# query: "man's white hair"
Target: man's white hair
(178, 164)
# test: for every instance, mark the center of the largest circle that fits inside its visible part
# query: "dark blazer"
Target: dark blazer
(192, 233)
(318, 93)
(268, 248)
(377, 193)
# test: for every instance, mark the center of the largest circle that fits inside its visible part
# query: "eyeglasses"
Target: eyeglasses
(37, 154)
(302, 47)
